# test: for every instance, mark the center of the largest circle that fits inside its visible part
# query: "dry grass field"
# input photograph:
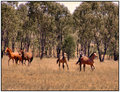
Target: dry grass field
(45, 75)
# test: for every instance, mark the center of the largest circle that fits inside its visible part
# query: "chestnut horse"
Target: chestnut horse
(27, 56)
(13, 55)
(63, 60)
(87, 60)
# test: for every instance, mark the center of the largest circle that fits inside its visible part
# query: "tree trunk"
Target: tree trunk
(77, 50)
(88, 49)
(33, 50)
(43, 40)
(2, 40)
(39, 50)
(58, 51)
(6, 42)
(50, 51)
(28, 45)
(53, 51)
(13, 44)
(42, 48)
(21, 47)
(98, 48)
(85, 48)
(68, 56)
(105, 49)
(99, 52)
(115, 55)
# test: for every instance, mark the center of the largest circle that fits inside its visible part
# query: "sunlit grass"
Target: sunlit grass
(45, 75)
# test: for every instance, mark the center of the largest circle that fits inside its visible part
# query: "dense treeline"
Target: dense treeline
(48, 29)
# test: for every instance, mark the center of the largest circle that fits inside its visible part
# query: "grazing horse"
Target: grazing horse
(27, 56)
(13, 55)
(87, 60)
(63, 60)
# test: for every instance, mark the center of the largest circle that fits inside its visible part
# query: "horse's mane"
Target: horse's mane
(91, 55)
(9, 49)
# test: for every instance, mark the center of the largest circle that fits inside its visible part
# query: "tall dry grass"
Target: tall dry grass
(45, 75)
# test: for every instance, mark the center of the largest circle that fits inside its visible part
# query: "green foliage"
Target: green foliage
(69, 46)
(50, 24)
(96, 21)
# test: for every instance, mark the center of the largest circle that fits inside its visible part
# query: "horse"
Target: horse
(13, 55)
(63, 60)
(27, 56)
(87, 60)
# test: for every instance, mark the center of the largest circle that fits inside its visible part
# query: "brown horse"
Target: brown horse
(63, 60)
(27, 56)
(87, 60)
(13, 55)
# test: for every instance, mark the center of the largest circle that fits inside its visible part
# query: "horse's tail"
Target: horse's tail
(58, 60)
(31, 59)
(79, 61)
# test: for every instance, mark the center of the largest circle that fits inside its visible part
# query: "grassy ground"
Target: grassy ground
(46, 75)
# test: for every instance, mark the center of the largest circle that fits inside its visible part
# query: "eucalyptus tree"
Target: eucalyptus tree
(63, 21)
(38, 12)
(106, 14)
(84, 24)
(98, 20)
(10, 24)
(23, 32)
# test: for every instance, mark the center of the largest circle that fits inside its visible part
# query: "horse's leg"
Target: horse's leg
(16, 61)
(67, 65)
(63, 66)
(28, 62)
(80, 66)
(24, 62)
(84, 67)
(9, 61)
(92, 67)
(59, 64)
(21, 61)
(13, 61)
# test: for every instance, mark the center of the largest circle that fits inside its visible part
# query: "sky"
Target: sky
(71, 5)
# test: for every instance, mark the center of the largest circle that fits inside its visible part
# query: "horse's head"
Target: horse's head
(65, 55)
(22, 53)
(95, 54)
(7, 50)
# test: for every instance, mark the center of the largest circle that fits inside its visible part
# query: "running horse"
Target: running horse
(13, 55)
(87, 60)
(63, 60)
(27, 56)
